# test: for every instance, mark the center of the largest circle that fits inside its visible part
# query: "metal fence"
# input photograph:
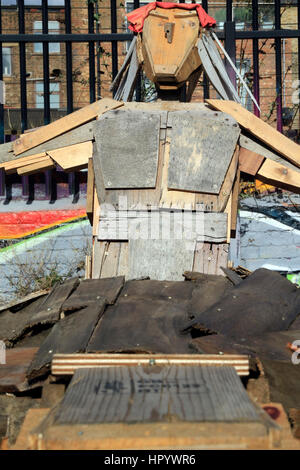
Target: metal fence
(229, 34)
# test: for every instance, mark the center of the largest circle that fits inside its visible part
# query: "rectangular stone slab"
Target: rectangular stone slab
(201, 149)
(128, 144)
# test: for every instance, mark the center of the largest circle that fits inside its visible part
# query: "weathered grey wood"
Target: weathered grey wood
(133, 71)
(76, 136)
(6, 152)
(251, 144)
(49, 311)
(201, 150)
(69, 335)
(13, 372)
(120, 73)
(211, 72)
(99, 183)
(91, 290)
(20, 303)
(144, 395)
(4, 421)
(233, 276)
(128, 145)
(198, 226)
(217, 61)
(160, 259)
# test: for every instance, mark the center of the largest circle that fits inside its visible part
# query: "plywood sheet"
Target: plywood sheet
(143, 395)
(128, 145)
(73, 156)
(202, 145)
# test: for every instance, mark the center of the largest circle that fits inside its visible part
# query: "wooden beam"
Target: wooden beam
(15, 164)
(249, 162)
(72, 157)
(45, 133)
(67, 364)
(45, 164)
(90, 191)
(260, 129)
(279, 175)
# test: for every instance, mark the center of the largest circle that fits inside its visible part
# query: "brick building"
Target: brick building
(103, 63)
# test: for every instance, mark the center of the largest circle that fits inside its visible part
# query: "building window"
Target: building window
(53, 28)
(54, 89)
(6, 58)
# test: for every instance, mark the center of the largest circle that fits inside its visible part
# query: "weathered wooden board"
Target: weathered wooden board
(256, 126)
(90, 191)
(146, 395)
(279, 174)
(208, 290)
(135, 324)
(73, 156)
(249, 162)
(210, 258)
(126, 62)
(13, 165)
(160, 259)
(67, 364)
(91, 290)
(202, 145)
(17, 304)
(128, 145)
(128, 225)
(14, 326)
(264, 302)
(6, 152)
(219, 344)
(254, 145)
(49, 311)
(133, 71)
(83, 133)
(13, 373)
(69, 335)
(174, 291)
(44, 164)
(4, 423)
(83, 115)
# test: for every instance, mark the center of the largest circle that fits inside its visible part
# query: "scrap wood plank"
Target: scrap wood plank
(69, 335)
(15, 164)
(235, 203)
(24, 300)
(279, 175)
(49, 311)
(139, 394)
(74, 156)
(6, 152)
(260, 129)
(91, 290)
(252, 144)
(90, 191)
(43, 164)
(4, 422)
(67, 364)
(13, 372)
(249, 162)
(78, 135)
(66, 123)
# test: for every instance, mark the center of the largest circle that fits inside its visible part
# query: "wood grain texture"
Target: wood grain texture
(72, 157)
(279, 174)
(44, 164)
(12, 166)
(21, 302)
(91, 290)
(69, 335)
(13, 373)
(67, 364)
(260, 129)
(201, 150)
(209, 258)
(127, 146)
(90, 191)
(249, 162)
(143, 395)
(56, 128)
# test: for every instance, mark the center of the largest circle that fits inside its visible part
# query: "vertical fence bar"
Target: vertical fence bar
(69, 65)
(92, 76)
(114, 44)
(229, 29)
(98, 45)
(46, 88)
(255, 56)
(278, 68)
(2, 130)
(138, 88)
(22, 51)
(205, 79)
